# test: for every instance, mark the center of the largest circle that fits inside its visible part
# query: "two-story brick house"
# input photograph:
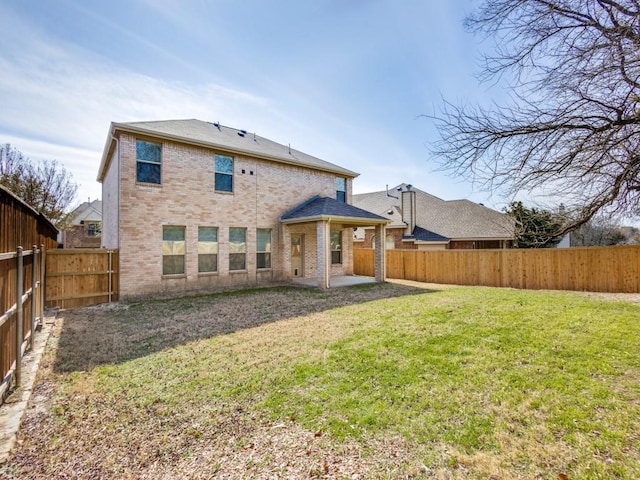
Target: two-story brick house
(193, 205)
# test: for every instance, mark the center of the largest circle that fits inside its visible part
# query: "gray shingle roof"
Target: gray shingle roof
(424, 235)
(453, 219)
(318, 207)
(224, 138)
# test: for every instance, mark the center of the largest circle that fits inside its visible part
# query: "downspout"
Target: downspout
(328, 251)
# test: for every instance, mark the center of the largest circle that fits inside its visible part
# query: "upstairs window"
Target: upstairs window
(173, 250)
(148, 162)
(341, 189)
(93, 229)
(263, 250)
(336, 248)
(237, 249)
(207, 249)
(224, 173)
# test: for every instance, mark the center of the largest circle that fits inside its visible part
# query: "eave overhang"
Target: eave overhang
(349, 221)
(120, 127)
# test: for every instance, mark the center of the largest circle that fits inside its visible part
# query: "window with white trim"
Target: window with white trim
(237, 249)
(148, 162)
(263, 248)
(341, 189)
(173, 250)
(207, 249)
(223, 173)
(336, 248)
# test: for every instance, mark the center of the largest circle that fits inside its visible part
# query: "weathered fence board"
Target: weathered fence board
(81, 277)
(595, 269)
(21, 281)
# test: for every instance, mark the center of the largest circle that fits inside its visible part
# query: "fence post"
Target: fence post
(110, 273)
(19, 314)
(42, 267)
(34, 283)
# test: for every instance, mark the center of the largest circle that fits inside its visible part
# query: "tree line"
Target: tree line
(46, 186)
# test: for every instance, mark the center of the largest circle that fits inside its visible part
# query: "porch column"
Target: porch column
(381, 255)
(323, 237)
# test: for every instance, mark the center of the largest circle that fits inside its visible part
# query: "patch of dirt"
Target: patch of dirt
(613, 297)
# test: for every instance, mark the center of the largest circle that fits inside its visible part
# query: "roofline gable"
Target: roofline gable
(129, 128)
(329, 209)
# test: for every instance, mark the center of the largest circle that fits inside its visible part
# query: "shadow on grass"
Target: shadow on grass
(114, 333)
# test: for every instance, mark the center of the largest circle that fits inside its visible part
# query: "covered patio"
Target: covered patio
(323, 217)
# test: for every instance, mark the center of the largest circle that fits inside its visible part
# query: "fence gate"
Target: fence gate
(80, 277)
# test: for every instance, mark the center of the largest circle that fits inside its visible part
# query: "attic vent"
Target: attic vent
(242, 133)
(390, 212)
(217, 125)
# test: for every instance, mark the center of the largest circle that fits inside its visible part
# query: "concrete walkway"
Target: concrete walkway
(16, 404)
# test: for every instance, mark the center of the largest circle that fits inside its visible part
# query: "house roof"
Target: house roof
(423, 235)
(325, 208)
(451, 219)
(219, 137)
(91, 210)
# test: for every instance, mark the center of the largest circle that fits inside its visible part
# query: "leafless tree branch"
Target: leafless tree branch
(573, 124)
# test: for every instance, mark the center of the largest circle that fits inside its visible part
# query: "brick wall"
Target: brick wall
(263, 191)
(77, 236)
(396, 233)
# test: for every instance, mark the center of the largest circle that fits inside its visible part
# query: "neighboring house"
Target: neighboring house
(193, 205)
(422, 221)
(85, 226)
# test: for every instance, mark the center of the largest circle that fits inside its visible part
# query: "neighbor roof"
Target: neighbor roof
(452, 219)
(91, 210)
(325, 208)
(424, 235)
(219, 137)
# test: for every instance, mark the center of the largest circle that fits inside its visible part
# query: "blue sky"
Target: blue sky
(346, 81)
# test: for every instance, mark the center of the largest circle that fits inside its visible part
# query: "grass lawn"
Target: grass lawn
(377, 381)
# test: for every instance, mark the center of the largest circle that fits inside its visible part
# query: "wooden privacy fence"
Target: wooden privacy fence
(25, 234)
(81, 277)
(594, 269)
(21, 280)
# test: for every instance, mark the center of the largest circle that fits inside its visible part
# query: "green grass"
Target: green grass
(476, 381)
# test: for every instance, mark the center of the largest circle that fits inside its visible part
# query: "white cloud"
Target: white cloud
(59, 98)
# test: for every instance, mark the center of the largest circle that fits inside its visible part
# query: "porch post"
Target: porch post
(381, 255)
(323, 238)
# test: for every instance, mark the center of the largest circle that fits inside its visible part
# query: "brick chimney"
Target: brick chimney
(408, 206)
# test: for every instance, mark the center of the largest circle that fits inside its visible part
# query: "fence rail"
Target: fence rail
(21, 279)
(81, 277)
(595, 269)
(25, 235)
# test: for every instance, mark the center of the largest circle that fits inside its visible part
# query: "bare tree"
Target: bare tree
(46, 186)
(572, 125)
(599, 231)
